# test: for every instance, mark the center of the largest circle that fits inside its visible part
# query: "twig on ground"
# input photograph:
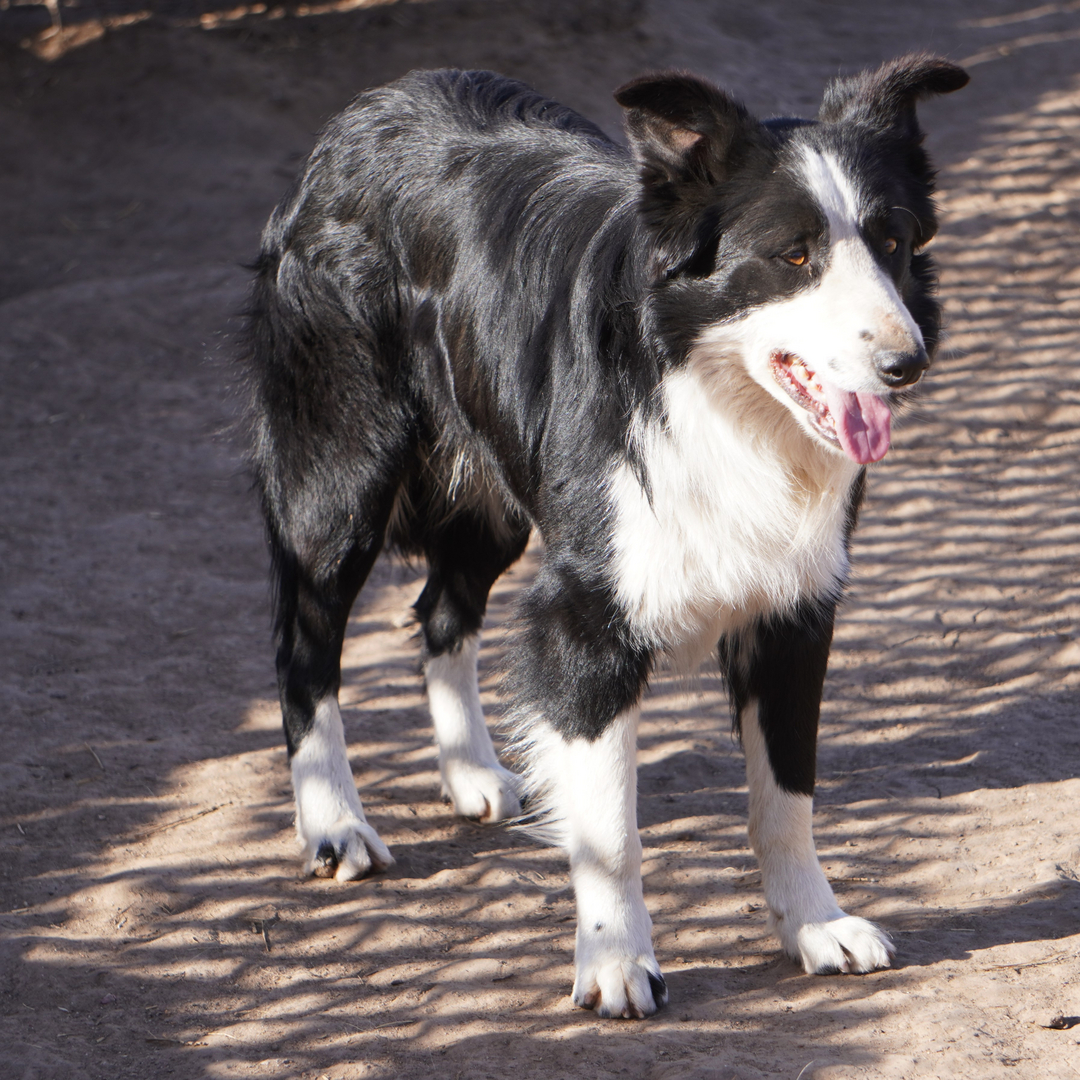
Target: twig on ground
(262, 926)
(185, 820)
(1030, 963)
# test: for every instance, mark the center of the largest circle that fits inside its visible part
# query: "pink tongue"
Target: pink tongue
(862, 423)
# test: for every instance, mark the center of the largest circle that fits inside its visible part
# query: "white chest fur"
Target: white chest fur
(746, 515)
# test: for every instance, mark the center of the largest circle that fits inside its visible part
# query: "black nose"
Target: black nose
(902, 369)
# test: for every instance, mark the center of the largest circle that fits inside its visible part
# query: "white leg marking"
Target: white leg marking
(328, 809)
(592, 787)
(813, 929)
(472, 777)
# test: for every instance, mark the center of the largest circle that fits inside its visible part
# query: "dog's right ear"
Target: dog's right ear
(686, 135)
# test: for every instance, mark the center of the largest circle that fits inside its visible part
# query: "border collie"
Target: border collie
(474, 314)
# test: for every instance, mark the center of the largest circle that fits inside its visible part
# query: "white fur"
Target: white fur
(813, 929)
(328, 809)
(746, 515)
(472, 777)
(833, 189)
(592, 787)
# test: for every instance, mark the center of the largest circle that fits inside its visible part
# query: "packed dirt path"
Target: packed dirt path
(153, 921)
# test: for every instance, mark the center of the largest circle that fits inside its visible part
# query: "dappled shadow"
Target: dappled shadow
(966, 591)
(153, 916)
(50, 29)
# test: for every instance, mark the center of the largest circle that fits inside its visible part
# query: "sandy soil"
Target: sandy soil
(153, 921)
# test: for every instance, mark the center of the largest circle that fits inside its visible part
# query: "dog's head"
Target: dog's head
(795, 244)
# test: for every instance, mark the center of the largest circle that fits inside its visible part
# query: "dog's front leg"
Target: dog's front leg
(593, 785)
(777, 678)
(813, 928)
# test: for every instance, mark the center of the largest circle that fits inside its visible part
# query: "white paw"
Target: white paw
(845, 944)
(483, 792)
(616, 987)
(330, 823)
(348, 849)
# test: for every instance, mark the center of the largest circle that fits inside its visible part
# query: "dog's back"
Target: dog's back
(437, 267)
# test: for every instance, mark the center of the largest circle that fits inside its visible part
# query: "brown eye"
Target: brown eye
(891, 245)
(796, 258)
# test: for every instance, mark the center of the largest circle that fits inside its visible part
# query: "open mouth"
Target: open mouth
(804, 388)
(859, 423)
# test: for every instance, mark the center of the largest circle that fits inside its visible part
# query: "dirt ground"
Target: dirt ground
(153, 922)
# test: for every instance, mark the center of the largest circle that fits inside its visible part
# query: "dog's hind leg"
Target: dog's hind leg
(465, 558)
(319, 565)
(776, 677)
(334, 433)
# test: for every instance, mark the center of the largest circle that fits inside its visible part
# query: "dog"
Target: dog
(474, 315)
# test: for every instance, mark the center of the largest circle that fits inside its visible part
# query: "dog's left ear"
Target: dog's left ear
(885, 98)
(680, 127)
(687, 136)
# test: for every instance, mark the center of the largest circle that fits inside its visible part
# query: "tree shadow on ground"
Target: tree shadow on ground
(153, 910)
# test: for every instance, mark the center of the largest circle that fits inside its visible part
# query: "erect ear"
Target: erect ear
(680, 125)
(886, 98)
(687, 136)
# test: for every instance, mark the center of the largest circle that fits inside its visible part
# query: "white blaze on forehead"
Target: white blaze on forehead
(834, 191)
(862, 295)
